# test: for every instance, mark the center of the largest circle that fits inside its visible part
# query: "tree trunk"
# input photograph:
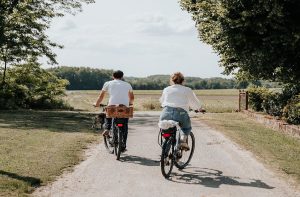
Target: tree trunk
(4, 74)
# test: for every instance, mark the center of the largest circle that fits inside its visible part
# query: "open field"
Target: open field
(276, 149)
(35, 147)
(213, 100)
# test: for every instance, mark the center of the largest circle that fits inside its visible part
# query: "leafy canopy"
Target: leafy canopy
(23, 24)
(254, 38)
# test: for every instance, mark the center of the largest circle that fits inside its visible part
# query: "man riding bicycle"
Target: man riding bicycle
(120, 93)
(176, 100)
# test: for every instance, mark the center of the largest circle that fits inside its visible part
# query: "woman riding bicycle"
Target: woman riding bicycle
(176, 100)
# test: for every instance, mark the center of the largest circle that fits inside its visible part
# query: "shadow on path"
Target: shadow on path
(34, 182)
(214, 178)
(54, 121)
(139, 160)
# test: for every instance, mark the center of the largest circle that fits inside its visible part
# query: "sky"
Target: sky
(139, 37)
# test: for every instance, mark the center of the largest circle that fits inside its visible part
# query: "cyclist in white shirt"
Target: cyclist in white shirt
(176, 100)
(120, 93)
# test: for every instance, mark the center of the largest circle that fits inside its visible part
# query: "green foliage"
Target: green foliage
(29, 86)
(85, 78)
(23, 25)
(256, 97)
(255, 38)
(273, 103)
(291, 111)
(280, 104)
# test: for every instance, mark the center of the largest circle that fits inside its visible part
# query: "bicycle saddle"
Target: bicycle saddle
(166, 124)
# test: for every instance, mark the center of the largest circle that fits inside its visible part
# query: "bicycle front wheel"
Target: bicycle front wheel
(167, 159)
(183, 157)
(109, 142)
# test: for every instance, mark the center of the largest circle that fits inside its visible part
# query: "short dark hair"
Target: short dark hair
(118, 74)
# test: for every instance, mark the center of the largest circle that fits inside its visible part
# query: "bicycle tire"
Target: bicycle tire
(107, 142)
(116, 138)
(167, 158)
(184, 164)
(120, 143)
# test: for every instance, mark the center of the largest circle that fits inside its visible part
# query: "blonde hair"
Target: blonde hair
(177, 78)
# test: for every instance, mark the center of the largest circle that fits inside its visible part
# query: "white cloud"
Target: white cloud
(68, 25)
(154, 34)
(159, 25)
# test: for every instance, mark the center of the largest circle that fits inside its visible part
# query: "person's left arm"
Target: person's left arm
(100, 98)
(194, 102)
(102, 94)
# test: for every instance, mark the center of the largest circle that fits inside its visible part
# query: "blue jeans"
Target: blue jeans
(178, 115)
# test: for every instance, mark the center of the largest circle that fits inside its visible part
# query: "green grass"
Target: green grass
(274, 148)
(36, 147)
(213, 100)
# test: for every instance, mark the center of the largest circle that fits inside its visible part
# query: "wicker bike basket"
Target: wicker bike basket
(119, 112)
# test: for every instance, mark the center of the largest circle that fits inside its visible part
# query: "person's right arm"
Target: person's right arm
(131, 97)
(162, 98)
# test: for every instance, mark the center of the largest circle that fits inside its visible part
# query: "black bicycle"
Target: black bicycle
(114, 141)
(172, 154)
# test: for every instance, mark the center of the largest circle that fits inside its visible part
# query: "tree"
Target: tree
(30, 86)
(255, 38)
(22, 28)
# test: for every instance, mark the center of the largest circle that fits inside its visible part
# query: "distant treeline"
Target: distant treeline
(85, 78)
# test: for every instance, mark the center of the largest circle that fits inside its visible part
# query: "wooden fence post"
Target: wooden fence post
(243, 100)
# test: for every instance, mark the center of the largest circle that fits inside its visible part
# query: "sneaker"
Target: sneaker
(184, 146)
(105, 133)
(124, 149)
(183, 143)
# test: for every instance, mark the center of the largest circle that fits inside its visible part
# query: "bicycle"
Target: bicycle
(114, 141)
(172, 154)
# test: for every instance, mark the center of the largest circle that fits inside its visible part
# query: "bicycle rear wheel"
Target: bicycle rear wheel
(119, 143)
(167, 158)
(183, 157)
(109, 142)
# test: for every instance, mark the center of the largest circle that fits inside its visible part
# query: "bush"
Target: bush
(282, 104)
(257, 96)
(29, 86)
(291, 111)
(273, 103)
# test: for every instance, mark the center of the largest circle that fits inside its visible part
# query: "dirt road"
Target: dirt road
(218, 168)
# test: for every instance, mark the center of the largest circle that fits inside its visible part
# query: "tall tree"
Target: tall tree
(22, 28)
(255, 38)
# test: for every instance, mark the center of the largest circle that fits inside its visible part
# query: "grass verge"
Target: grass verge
(276, 149)
(36, 147)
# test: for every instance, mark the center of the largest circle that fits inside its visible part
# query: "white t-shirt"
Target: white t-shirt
(180, 96)
(118, 92)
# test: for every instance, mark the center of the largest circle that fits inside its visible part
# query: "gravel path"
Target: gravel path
(218, 168)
